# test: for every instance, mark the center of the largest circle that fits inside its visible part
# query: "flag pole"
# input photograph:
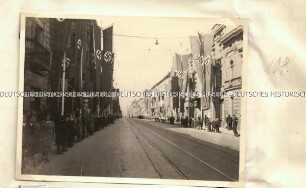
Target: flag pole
(81, 79)
(63, 84)
(95, 83)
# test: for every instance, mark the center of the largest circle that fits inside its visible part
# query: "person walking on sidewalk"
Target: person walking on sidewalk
(216, 124)
(229, 121)
(235, 124)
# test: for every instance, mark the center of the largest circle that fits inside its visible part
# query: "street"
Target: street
(145, 149)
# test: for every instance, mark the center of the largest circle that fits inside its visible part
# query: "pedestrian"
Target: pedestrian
(88, 125)
(84, 126)
(47, 133)
(71, 130)
(199, 124)
(60, 133)
(186, 120)
(209, 125)
(35, 126)
(216, 125)
(229, 122)
(78, 123)
(172, 119)
(190, 122)
(182, 121)
(235, 124)
(206, 121)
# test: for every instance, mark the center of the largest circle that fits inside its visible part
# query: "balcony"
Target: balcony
(233, 83)
(37, 55)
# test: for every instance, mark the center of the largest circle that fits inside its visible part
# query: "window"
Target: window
(232, 69)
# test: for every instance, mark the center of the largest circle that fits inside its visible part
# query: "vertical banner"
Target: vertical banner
(206, 42)
(59, 32)
(175, 87)
(98, 55)
(107, 63)
(196, 58)
(80, 43)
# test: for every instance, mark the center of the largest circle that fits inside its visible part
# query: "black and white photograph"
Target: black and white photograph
(132, 98)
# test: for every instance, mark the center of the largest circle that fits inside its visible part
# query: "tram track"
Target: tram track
(160, 152)
(168, 158)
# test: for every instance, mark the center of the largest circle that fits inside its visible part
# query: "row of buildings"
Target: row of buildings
(214, 65)
(68, 55)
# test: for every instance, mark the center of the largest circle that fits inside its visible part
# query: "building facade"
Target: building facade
(68, 55)
(227, 53)
(37, 62)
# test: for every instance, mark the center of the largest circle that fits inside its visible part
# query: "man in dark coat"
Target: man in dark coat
(206, 121)
(229, 122)
(198, 123)
(172, 119)
(235, 124)
(216, 124)
(186, 120)
(71, 130)
(201, 123)
(60, 133)
(209, 125)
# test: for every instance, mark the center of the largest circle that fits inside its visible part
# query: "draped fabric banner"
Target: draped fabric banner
(206, 42)
(184, 68)
(175, 87)
(108, 63)
(59, 32)
(98, 56)
(81, 40)
(196, 58)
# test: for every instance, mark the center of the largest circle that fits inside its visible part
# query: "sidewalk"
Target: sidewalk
(225, 138)
(36, 164)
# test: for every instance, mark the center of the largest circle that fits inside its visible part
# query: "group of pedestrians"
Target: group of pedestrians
(41, 133)
(232, 123)
(71, 129)
(209, 124)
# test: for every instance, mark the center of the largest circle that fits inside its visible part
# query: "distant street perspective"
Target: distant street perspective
(147, 149)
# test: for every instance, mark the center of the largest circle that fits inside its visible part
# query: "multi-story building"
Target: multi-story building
(49, 44)
(37, 62)
(227, 53)
(160, 106)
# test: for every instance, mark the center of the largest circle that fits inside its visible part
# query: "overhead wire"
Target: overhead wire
(145, 37)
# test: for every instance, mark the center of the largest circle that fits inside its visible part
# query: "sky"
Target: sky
(139, 63)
